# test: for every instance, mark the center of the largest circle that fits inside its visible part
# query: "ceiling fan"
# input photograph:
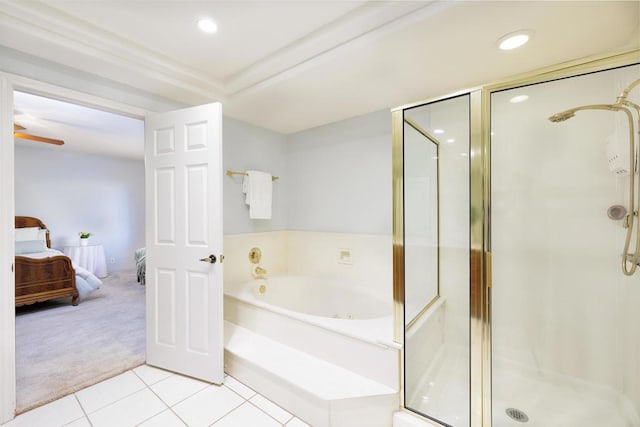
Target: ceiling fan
(17, 134)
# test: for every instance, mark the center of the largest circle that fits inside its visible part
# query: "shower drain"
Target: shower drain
(517, 414)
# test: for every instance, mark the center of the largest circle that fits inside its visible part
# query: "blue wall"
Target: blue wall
(340, 176)
(334, 178)
(248, 147)
(72, 192)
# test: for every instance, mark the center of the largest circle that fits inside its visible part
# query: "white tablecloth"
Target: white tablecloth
(89, 257)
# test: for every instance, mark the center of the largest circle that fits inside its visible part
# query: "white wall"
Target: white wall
(237, 266)
(316, 254)
(72, 192)
(339, 176)
(368, 267)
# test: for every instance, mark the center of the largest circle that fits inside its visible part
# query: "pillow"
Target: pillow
(42, 235)
(30, 247)
(27, 233)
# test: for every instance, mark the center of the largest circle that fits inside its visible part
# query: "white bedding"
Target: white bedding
(86, 282)
(46, 254)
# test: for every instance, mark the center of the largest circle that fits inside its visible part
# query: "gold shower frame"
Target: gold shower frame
(480, 229)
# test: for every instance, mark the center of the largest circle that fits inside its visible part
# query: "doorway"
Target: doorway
(80, 169)
(9, 83)
(186, 144)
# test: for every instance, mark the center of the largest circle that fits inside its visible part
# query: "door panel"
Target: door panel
(183, 158)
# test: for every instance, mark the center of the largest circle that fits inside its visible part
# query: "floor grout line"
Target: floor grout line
(168, 407)
(244, 398)
(234, 408)
(158, 413)
(115, 401)
(83, 410)
(186, 398)
(269, 415)
(86, 416)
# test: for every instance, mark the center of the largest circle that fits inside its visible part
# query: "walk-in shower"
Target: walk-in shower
(624, 105)
(564, 321)
(507, 246)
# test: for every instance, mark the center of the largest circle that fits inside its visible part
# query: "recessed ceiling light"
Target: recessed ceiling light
(451, 140)
(514, 40)
(438, 131)
(519, 98)
(463, 154)
(207, 25)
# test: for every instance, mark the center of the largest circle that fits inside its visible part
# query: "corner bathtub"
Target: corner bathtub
(332, 322)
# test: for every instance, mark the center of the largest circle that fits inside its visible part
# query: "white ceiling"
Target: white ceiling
(81, 128)
(293, 65)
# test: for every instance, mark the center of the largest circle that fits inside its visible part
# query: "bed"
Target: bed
(44, 275)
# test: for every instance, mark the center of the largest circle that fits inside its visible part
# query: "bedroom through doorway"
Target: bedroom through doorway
(77, 170)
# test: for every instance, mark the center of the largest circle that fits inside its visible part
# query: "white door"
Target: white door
(183, 173)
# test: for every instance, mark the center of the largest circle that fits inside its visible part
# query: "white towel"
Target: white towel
(259, 189)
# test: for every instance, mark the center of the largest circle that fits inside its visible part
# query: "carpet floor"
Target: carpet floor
(61, 349)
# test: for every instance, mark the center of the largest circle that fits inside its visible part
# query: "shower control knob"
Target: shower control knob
(211, 259)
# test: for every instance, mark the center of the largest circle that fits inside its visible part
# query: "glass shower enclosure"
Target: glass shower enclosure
(512, 205)
(435, 205)
(565, 318)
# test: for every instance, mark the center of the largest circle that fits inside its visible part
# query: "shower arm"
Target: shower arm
(567, 114)
(622, 98)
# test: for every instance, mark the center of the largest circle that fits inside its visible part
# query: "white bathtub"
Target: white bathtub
(320, 302)
(319, 349)
(327, 320)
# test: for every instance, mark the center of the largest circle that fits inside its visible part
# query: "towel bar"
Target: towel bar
(231, 173)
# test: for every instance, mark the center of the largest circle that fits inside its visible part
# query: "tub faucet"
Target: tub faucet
(259, 273)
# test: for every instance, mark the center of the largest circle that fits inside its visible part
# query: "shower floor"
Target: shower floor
(547, 402)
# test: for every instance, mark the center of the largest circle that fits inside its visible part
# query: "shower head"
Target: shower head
(561, 117)
(566, 115)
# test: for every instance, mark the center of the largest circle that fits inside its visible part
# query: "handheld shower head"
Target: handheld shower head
(566, 115)
(561, 117)
(621, 105)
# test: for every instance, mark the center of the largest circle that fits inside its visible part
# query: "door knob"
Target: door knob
(211, 259)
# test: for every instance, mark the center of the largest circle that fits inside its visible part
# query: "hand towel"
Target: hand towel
(259, 194)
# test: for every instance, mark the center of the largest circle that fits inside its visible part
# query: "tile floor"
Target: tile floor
(151, 397)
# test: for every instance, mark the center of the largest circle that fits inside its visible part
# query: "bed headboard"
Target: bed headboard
(29, 221)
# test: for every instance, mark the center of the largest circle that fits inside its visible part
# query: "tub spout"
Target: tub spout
(260, 273)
